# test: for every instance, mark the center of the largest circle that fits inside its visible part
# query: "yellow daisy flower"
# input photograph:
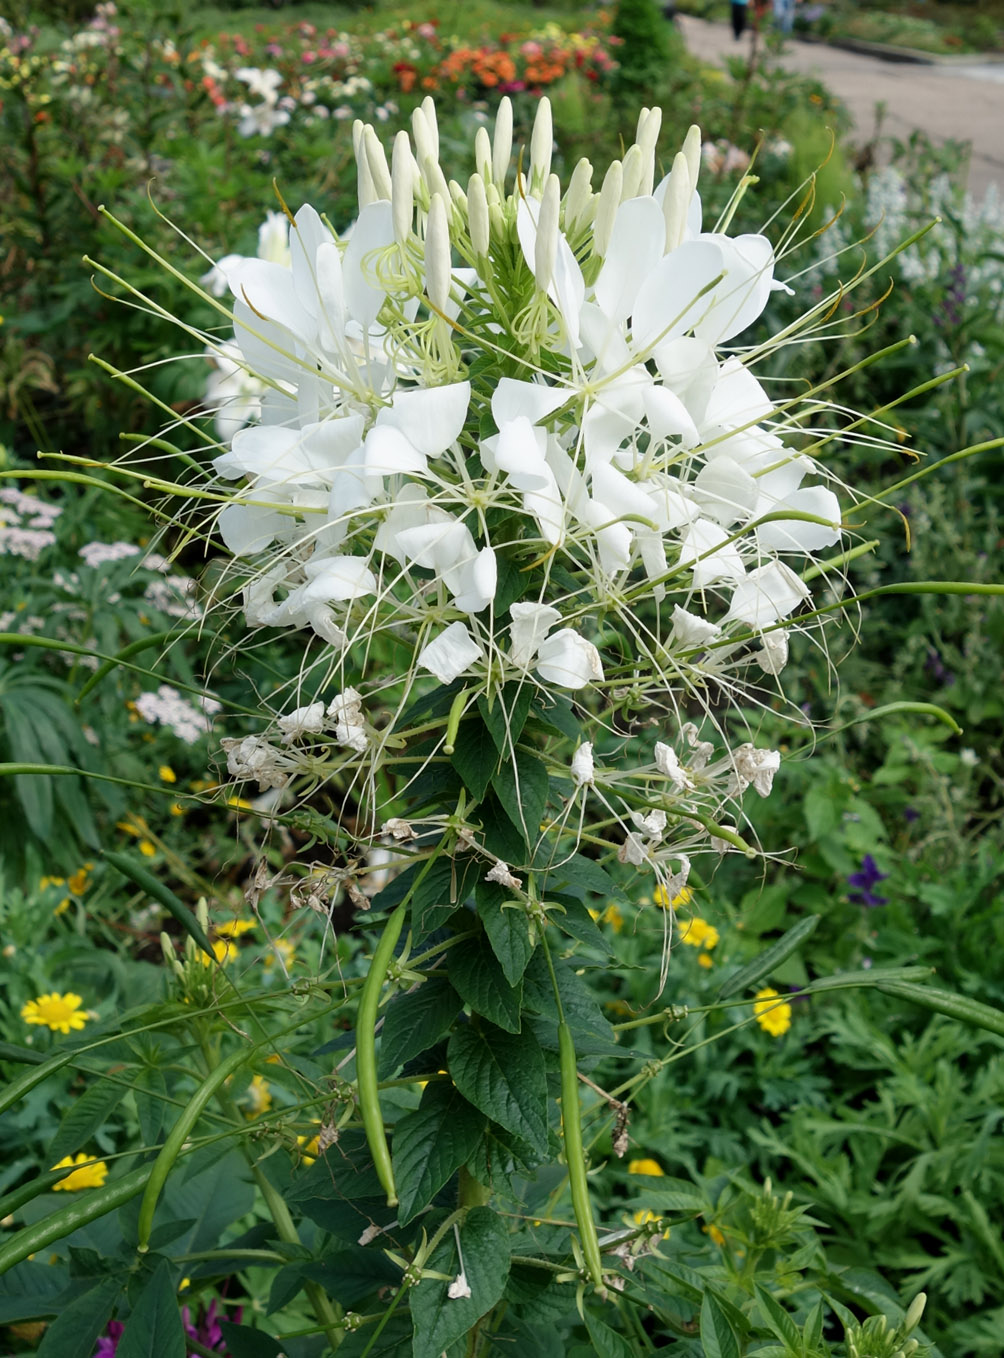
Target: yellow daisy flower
(89, 1173)
(61, 1013)
(234, 928)
(698, 933)
(772, 1017)
(683, 897)
(646, 1166)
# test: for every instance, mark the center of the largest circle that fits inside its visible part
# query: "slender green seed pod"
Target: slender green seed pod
(366, 1061)
(571, 1131)
(453, 720)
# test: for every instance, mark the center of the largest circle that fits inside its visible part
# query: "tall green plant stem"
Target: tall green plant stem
(328, 1316)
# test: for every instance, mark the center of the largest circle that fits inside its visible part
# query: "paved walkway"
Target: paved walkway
(948, 102)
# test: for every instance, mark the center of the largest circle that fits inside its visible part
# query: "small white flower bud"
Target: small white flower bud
(431, 122)
(426, 140)
(541, 144)
(457, 197)
(502, 143)
(377, 161)
(692, 150)
(679, 192)
(583, 767)
(483, 153)
(437, 254)
(647, 137)
(477, 215)
(365, 190)
(546, 244)
(402, 196)
(634, 172)
(606, 207)
(579, 197)
(434, 179)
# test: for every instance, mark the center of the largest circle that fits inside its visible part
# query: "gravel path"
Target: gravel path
(948, 102)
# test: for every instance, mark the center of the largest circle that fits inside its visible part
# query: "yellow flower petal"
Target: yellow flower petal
(646, 1166)
(772, 1013)
(61, 1013)
(89, 1173)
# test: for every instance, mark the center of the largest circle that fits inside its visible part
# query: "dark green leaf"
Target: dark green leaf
(154, 1328)
(507, 927)
(575, 919)
(582, 872)
(243, 1342)
(475, 755)
(592, 1031)
(503, 1074)
(507, 716)
(607, 1343)
(522, 787)
(718, 1339)
(415, 1022)
(150, 1093)
(431, 1144)
(394, 1340)
(535, 1297)
(30, 1291)
(439, 1320)
(558, 712)
(479, 979)
(74, 1333)
(500, 835)
(777, 1320)
(769, 960)
(511, 583)
(83, 1118)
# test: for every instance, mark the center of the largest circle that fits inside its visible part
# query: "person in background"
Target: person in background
(784, 15)
(739, 17)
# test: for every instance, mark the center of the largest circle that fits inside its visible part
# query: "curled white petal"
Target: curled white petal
(450, 654)
(568, 660)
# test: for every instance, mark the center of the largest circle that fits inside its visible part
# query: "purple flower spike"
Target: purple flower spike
(868, 877)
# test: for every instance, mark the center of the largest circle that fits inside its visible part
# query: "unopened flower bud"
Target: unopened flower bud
(434, 179)
(365, 190)
(692, 150)
(377, 162)
(457, 197)
(546, 245)
(437, 254)
(483, 153)
(404, 171)
(477, 215)
(676, 203)
(426, 139)
(170, 957)
(606, 207)
(914, 1312)
(634, 172)
(579, 197)
(502, 142)
(541, 144)
(431, 122)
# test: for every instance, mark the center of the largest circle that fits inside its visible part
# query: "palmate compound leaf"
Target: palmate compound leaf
(502, 1074)
(431, 1144)
(478, 977)
(507, 927)
(74, 1333)
(441, 1320)
(154, 1328)
(415, 1022)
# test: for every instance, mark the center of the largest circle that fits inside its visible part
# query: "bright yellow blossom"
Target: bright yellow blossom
(234, 928)
(704, 959)
(282, 950)
(167, 774)
(89, 1173)
(717, 1235)
(683, 897)
(612, 915)
(698, 933)
(78, 882)
(61, 1013)
(645, 1166)
(146, 848)
(772, 1017)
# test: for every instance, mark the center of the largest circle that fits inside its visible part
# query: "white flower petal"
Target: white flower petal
(568, 660)
(431, 418)
(768, 594)
(337, 578)
(691, 630)
(530, 625)
(450, 654)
